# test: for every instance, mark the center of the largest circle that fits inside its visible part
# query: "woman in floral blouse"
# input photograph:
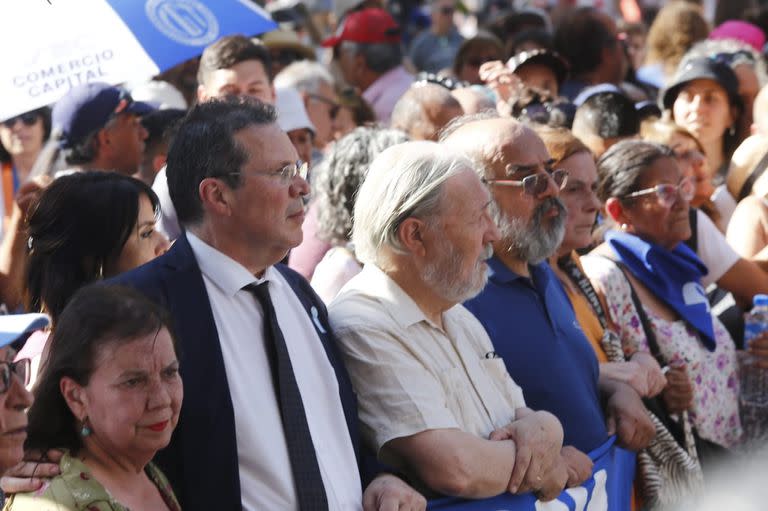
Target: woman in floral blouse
(109, 396)
(647, 198)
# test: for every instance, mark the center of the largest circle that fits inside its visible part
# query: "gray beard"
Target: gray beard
(443, 275)
(533, 242)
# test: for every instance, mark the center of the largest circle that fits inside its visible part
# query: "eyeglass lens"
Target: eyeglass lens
(537, 184)
(7, 369)
(28, 119)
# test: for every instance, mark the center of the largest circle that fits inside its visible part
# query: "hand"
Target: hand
(758, 348)
(32, 472)
(29, 193)
(390, 493)
(628, 418)
(578, 464)
(506, 84)
(554, 482)
(654, 375)
(678, 395)
(538, 438)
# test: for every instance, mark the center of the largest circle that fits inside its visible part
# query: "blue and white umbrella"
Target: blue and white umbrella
(50, 47)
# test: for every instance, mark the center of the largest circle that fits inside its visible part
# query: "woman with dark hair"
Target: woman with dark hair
(473, 53)
(109, 397)
(21, 140)
(651, 282)
(86, 226)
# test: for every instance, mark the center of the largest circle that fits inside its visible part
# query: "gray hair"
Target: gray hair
(305, 75)
(409, 111)
(405, 181)
(340, 174)
(710, 47)
(379, 57)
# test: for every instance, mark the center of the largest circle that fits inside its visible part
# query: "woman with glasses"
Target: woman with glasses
(21, 140)
(109, 398)
(651, 283)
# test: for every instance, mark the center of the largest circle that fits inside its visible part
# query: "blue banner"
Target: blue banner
(609, 488)
(172, 31)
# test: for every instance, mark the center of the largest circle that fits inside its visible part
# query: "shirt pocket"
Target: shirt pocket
(461, 399)
(510, 392)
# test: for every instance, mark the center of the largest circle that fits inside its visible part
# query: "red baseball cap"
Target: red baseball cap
(369, 26)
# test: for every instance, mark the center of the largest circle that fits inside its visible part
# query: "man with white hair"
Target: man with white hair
(316, 86)
(433, 399)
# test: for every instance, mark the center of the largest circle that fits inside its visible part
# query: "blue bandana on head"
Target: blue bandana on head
(674, 276)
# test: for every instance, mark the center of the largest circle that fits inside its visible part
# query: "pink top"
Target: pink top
(386, 90)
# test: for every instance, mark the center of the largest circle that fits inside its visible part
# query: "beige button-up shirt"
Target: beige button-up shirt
(409, 374)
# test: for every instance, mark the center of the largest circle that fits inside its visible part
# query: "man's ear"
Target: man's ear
(215, 196)
(411, 235)
(74, 394)
(615, 209)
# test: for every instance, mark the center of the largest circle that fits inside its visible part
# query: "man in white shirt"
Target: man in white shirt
(239, 196)
(434, 399)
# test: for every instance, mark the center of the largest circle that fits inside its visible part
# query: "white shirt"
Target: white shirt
(167, 224)
(713, 249)
(266, 481)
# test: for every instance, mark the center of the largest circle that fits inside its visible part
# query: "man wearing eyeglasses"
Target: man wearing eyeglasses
(524, 307)
(268, 419)
(100, 128)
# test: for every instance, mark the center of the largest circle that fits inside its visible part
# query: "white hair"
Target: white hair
(404, 181)
(305, 76)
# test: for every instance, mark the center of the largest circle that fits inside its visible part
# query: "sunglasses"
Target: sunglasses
(730, 58)
(536, 184)
(667, 194)
(334, 110)
(28, 119)
(7, 369)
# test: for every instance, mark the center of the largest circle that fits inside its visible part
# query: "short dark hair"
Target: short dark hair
(231, 50)
(608, 115)
(160, 126)
(45, 114)
(621, 167)
(378, 57)
(205, 147)
(98, 317)
(581, 37)
(78, 226)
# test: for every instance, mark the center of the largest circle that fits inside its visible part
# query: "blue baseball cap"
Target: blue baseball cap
(14, 326)
(89, 107)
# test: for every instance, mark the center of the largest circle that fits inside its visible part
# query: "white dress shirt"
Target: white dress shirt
(266, 481)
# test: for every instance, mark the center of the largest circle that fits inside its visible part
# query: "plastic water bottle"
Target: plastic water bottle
(754, 380)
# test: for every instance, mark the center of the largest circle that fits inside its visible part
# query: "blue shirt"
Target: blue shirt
(534, 329)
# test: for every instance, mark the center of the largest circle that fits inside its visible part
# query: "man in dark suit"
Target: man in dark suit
(238, 189)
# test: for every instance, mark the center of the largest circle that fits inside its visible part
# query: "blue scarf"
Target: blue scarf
(673, 276)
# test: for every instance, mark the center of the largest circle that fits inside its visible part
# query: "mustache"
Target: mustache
(546, 205)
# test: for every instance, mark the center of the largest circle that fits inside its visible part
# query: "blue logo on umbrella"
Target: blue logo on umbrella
(185, 21)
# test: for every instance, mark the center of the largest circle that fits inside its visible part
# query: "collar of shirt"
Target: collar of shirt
(223, 271)
(397, 302)
(499, 273)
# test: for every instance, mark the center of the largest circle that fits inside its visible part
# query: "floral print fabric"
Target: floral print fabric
(715, 410)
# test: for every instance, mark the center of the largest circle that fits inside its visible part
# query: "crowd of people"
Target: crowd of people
(393, 256)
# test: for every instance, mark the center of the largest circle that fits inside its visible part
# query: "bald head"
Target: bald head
(473, 100)
(423, 111)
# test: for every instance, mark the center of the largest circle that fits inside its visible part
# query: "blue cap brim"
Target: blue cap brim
(13, 326)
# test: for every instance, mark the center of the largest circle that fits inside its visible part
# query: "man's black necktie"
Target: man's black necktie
(301, 450)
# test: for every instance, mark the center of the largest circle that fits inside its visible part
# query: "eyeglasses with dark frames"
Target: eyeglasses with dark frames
(536, 184)
(286, 173)
(667, 194)
(28, 119)
(20, 368)
(334, 111)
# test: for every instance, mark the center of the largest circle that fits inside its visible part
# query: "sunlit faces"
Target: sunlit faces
(13, 417)
(458, 242)
(144, 243)
(651, 220)
(693, 164)
(580, 200)
(133, 397)
(539, 77)
(21, 138)
(246, 78)
(302, 140)
(531, 227)
(702, 107)
(265, 213)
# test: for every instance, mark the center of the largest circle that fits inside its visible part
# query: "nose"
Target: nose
(594, 203)
(19, 398)
(299, 186)
(162, 244)
(159, 395)
(552, 190)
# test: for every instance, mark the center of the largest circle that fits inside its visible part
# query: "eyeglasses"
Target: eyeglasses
(667, 194)
(536, 184)
(334, 106)
(28, 119)
(479, 61)
(729, 58)
(286, 174)
(7, 369)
